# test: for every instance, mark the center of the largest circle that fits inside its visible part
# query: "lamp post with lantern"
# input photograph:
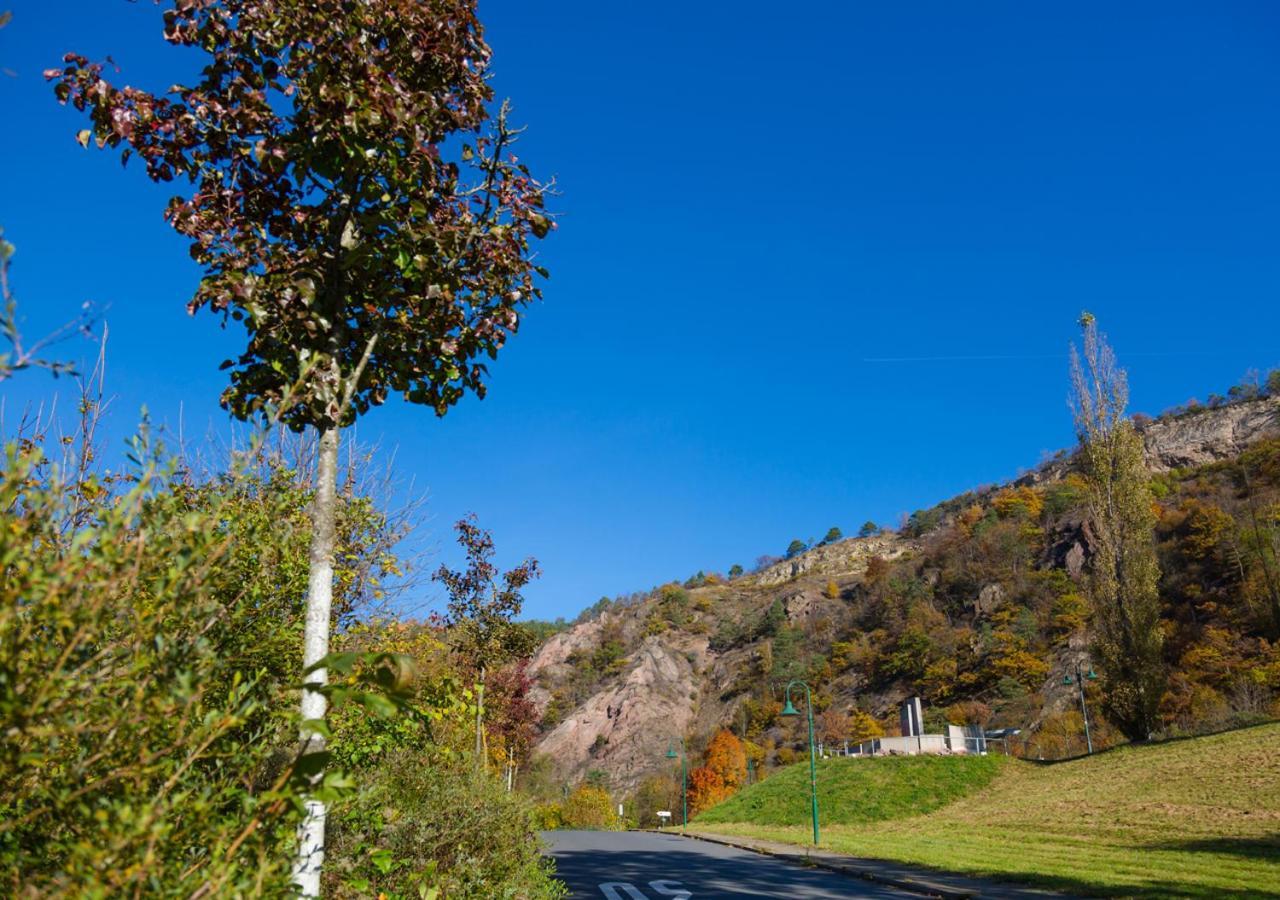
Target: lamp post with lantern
(790, 710)
(684, 779)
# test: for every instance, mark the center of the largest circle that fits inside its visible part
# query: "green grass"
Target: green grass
(855, 791)
(1192, 818)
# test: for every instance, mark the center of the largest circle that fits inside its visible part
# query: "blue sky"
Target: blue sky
(817, 263)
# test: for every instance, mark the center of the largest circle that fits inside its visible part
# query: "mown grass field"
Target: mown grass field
(1191, 818)
(854, 791)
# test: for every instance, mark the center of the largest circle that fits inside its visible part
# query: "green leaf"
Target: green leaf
(317, 726)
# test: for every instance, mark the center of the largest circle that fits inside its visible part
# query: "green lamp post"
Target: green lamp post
(684, 779)
(1084, 710)
(790, 710)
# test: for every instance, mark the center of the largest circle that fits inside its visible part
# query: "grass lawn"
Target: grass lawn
(854, 791)
(1190, 818)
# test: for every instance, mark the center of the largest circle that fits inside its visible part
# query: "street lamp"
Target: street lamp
(684, 778)
(1079, 682)
(789, 710)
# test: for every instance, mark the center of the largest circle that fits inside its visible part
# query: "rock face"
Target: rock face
(988, 600)
(649, 705)
(848, 557)
(1209, 435)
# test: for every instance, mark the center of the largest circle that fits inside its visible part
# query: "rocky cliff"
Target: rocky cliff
(1209, 435)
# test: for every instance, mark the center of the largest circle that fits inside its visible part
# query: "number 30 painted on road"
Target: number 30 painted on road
(662, 887)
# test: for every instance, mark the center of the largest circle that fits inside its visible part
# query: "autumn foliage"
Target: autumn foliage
(724, 772)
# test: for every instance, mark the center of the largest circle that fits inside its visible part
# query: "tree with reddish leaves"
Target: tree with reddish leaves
(353, 205)
(482, 611)
(513, 717)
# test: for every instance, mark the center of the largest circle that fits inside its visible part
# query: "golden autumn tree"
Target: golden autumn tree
(727, 757)
(706, 789)
(863, 727)
(724, 772)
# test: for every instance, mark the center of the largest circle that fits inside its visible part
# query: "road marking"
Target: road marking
(664, 887)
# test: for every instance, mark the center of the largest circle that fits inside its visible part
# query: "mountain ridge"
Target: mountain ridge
(615, 689)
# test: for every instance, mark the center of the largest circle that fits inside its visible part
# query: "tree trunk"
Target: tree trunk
(306, 869)
(480, 723)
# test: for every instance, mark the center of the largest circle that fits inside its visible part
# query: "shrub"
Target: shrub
(1065, 495)
(151, 626)
(436, 825)
(548, 817)
(589, 806)
(142, 690)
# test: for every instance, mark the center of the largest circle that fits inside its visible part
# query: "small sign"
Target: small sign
(664, 814)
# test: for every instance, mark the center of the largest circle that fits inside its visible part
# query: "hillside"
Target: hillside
(1198, 817)
(974, 604)
(855, 791)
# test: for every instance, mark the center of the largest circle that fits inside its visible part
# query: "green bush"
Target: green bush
(589, 806)
(148, 692)
(436, 825)
(150, 628)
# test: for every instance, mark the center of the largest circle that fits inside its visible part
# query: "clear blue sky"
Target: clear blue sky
(760, 202)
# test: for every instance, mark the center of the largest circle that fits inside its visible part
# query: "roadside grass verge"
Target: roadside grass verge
(1196, 818)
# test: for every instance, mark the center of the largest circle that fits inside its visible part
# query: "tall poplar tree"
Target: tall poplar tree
(354, 206)
(1124, 573)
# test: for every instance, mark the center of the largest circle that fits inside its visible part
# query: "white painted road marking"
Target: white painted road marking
(664, 887)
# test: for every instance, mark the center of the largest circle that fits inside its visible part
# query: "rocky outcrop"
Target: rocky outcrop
(1210, 435)
(553, 656)
(624, 728)
(988, 600)
(843, 558)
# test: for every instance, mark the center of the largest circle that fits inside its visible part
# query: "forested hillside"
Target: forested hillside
(977, 605)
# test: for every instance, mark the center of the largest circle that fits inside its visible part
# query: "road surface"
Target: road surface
(641, 865)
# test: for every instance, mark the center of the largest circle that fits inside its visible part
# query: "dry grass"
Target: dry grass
(1190, 818)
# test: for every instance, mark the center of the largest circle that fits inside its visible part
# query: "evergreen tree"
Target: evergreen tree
(1124, 572)
(774, 618)
(796, 547)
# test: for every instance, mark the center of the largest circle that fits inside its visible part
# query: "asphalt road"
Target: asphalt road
(640, 865)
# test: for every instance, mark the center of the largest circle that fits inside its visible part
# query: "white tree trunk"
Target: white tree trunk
(480, 760)
(306, 868)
